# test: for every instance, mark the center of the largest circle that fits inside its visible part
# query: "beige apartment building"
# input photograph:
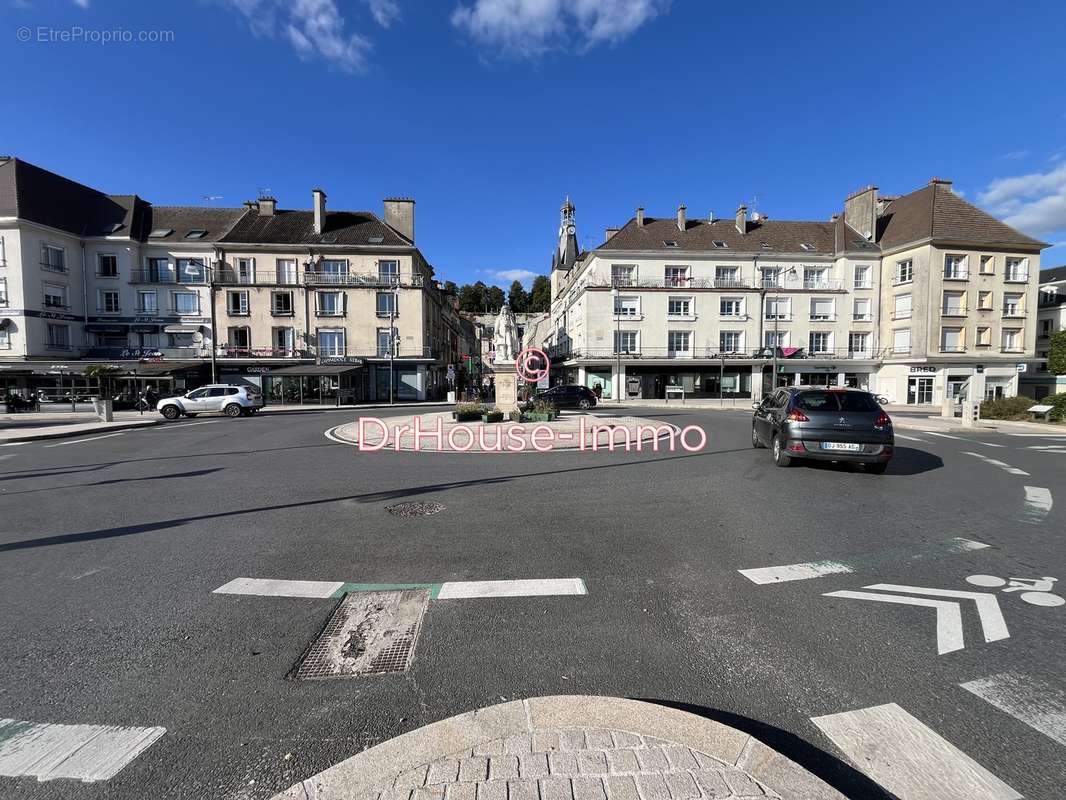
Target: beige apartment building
(1038, 382)
(911, 297)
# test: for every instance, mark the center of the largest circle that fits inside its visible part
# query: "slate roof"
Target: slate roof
(1053, 274)
(35, 194)
(180, 220)
(936, 212)
(297, 227)
(782, 236)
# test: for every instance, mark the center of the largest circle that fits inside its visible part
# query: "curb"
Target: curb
(120, 426)
(363, 775)
(284, 410)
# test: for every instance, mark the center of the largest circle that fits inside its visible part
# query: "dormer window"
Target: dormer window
(196, 233)
(766, 246)
(719, 244)
(669, 243)
(160, 233)
(808, 247)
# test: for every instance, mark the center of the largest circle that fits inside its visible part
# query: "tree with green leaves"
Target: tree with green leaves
(494, 298)
(1056, 354)
(472, 297)
(518, 298)
(540, 295)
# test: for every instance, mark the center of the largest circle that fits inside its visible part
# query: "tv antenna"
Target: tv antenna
(264, 191)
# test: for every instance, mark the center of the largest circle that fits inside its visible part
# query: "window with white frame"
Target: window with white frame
(731, 307)
(859, 344)
(3, 291)
(815, 277)
(951, 340)
(58, 336)
(107, 301)
(901, 308)
(53, 258)
(823, 308)
(281, 304)
(156, 269)
(679, 307)
(186, 303)
(988, 265)
(1012, 305)
(625, 342)
(384, 342)
(1012, 340)
(147, 302)
(771, 276)
(386, 304)
(1017, 269)
(329, 304)
(55, 296)
(904, 271)
(775, 339)
(678, 343)
(331, 342)
(984, 301)
(191, 270)
(285, 270)
(862, 276)
(332, 270)
(953, 304)
(955, 266)
(820, 342)
(626, 306)
(389, 272)
(106, 265)
(5, 339)
(778, 307)
(239, 337)
(677, 276)
(728, 277)
(237, 303)
(984, 336)
(623, 274)
(901, 341)
(731, 341)
(860, 309)
(245, 270)
(283, 339)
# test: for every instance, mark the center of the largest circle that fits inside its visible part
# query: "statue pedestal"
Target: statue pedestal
(506, 380)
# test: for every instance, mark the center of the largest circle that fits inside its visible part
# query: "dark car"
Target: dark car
(569, 395)
(827, 424)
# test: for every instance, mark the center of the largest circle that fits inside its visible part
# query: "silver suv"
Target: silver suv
(233, 401)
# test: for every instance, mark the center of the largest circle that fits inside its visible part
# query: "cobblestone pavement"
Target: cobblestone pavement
(575, 764)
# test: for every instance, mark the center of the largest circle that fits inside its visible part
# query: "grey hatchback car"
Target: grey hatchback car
(824, 423)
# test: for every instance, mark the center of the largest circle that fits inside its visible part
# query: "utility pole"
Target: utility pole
(617, 343)
(214, 327)
(392, 343)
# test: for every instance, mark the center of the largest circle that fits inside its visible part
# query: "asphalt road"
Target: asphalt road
(110, 550)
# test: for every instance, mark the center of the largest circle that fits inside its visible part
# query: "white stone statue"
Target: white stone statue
(505, 336)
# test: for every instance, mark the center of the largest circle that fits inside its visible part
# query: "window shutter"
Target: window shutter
(344, 302)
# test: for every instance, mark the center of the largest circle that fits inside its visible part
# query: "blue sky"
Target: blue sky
(489, 112)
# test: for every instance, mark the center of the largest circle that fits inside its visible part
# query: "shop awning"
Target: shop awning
(99, 327)
(315, 369)
(182, 329)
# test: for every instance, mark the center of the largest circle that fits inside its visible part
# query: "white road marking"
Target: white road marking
(1039, 706)
(1040, 435)
(7, 455)
(1003, 466)
(13, 444)
(1057, 448)
(948, 615)
(90, 439)
(1037, 504)
(908, 758)
(794, 572)
(817, 569)
(86, 752)
(456, 590)
(992, 622)
(280, 588)
(909, 438)
(944, 436)
(164, 428)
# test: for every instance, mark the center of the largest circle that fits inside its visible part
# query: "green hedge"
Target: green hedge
(1007, 408)
(1059, 403)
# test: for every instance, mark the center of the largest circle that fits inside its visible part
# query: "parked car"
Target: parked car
(569, 395)
(828, 424)
(233, 401)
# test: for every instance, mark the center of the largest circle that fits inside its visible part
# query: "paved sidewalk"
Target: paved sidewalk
(567, 748)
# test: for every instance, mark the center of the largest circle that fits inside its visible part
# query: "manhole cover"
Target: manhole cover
(370, 633)
(415, 509)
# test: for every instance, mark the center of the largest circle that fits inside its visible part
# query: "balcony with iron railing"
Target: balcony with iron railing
(167, 277)
(791, 283)
(362, 280)
(1013, 312)
(953, 311)
(718, 353)
(903, 313)
(956, 274)
(1016, 277)
(243, 351)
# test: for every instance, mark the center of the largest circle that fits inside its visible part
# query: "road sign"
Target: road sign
(948, 612)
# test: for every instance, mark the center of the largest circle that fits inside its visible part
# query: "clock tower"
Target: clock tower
(566, 253)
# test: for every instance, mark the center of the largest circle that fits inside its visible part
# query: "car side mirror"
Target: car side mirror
(882, 400)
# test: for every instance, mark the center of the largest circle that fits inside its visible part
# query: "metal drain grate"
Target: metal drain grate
(370, 633)
(414, 509)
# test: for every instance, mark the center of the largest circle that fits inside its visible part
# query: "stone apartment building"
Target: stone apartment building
(314, 306)
(1037, 382)
(909, 296)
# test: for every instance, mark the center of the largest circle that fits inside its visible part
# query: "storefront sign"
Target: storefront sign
(923, 370)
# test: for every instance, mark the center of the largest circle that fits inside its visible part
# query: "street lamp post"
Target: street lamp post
(789, 271)
(392, 343)
(617, 344)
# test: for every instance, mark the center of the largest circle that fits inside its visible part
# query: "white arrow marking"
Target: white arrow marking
(948, 616)
(992, 622)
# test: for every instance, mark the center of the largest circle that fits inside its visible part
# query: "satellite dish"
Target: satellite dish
(198, 337)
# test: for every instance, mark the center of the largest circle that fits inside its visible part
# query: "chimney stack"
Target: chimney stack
(742, 219)
(267, 206)
(682, 223)
(640, 216)
(319, 203)
(710, 216)
(609, 233)
(400, 216)
(861, 210)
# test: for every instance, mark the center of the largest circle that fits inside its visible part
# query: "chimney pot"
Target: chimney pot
(318, 198)
(682, 223)
(742, 219)
(640, 216)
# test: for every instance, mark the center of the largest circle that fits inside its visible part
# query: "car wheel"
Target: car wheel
(232, 410)
(755, 439)
(781, 458)
(584, 404)
(877, 469)
(170, 412)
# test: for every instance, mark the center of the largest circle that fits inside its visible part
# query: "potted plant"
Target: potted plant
(492, 415)
(540, 411)
(468, 412)
(104, 375)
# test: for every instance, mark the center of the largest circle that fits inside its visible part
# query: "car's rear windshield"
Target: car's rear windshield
(836, 401)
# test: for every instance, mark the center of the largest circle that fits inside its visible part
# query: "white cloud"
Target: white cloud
(81, 3)
(524, 276)
(315, 28)
(1034, 203)
(529, 28)
(1014, 155)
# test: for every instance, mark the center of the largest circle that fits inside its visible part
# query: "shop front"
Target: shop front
(314, 384)
(928, 384)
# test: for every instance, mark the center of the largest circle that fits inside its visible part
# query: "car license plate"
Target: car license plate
(849, 446)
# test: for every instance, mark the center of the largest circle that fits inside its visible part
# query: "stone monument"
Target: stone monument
(505, 346)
